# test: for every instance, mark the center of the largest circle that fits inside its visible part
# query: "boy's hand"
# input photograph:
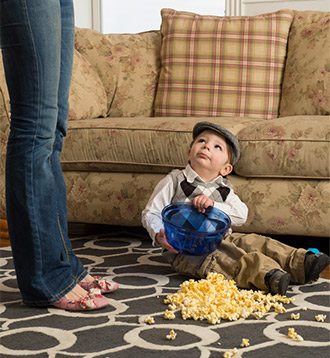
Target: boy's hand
(161, 240)
(202, 202)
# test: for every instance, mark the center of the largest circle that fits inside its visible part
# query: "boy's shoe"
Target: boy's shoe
(314, 265)
(277, 281)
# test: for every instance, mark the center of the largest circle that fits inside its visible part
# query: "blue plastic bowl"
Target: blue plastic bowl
(191, 232)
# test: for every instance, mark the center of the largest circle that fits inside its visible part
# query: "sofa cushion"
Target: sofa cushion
(306, 82)
(87, 94)
(277, 148)
(221, 66)
(286, 147)
(150, 145)
(128, 65)
(285, 206)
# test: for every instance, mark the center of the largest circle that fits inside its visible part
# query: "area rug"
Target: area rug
(145, 280)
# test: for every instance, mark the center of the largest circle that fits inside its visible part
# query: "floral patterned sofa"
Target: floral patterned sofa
(136, 97)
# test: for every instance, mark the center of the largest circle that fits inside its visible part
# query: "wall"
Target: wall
(87, 11)
(137, 16)
(83, 13)
(255, 7)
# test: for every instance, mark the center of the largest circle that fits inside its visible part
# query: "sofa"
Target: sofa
(134, 99)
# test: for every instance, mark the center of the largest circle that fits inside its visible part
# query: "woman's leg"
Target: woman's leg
(67, 48)
(31, 46)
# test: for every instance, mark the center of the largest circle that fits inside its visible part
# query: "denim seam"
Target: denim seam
(78, 279)
(36, 129)
(63, 241)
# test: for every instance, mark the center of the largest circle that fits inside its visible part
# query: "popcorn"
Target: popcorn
(149, 320)
(245, 342)
(172, 335)
(295, 316)
(169, 314)
(279, 308)
(230, 353)
(321, 317)
(304, 308)
(215, 298)
(258, 315)
(294, 335)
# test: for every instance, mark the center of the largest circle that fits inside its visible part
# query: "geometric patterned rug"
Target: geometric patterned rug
(145, 280)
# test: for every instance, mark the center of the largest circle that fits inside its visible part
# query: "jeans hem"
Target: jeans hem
(57, 297)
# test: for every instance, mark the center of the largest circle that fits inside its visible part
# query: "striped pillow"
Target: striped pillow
(221, 66)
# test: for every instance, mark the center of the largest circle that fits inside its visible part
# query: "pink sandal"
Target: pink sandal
(100, 283)
(92, 301)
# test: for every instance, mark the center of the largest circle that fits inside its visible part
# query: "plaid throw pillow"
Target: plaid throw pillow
(221, 66)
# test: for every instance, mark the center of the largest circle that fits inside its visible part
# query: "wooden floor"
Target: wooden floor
(4, 236)
(326, 273)
(76, 230)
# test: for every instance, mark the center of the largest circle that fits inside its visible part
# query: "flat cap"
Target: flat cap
(202, 126)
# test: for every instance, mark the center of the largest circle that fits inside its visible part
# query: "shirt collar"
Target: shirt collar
(191, 175)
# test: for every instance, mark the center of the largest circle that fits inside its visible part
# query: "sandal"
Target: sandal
(100, 283)
(92, 301)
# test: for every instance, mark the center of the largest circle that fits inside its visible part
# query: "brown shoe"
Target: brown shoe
(314, 265)
(277, 281)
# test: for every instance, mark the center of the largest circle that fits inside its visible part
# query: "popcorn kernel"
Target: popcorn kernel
(294, 335)
(149, 320)
(321, 317)
(172, 335)
(169, 314)
(230, 353)
(245, 342)
(295, 316)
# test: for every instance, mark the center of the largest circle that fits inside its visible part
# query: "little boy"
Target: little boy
(253, 261)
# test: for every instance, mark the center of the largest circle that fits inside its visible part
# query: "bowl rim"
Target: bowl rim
(191, 230)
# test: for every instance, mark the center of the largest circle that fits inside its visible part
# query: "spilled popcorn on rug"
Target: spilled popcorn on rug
(215, 298)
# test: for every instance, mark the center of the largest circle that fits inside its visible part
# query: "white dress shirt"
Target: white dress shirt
(165, 190)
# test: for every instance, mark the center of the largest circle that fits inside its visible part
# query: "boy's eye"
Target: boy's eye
(202, 141)
(218, 147)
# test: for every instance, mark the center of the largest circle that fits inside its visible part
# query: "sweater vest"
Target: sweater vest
(186, 192)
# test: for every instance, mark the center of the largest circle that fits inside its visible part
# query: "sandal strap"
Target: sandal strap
(87, 301)
(103, 283)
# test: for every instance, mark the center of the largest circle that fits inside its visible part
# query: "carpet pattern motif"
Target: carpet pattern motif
(145, 280)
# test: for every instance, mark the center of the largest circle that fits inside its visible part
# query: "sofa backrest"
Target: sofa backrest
(116, 75)
(306, 82)
(128, 66)
(4, 96)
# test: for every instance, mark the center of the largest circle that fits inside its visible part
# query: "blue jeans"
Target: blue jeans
(37, 41)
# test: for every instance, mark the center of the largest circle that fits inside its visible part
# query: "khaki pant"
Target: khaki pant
(246, 258)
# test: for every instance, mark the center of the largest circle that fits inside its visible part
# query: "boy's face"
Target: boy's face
(208, 155)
